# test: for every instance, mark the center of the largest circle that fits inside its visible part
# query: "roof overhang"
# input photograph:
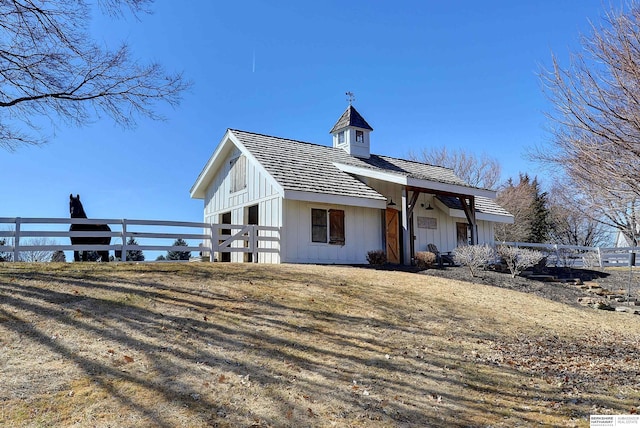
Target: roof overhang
(327, 198)
(453, 212)
(226, 145)
(425, 185)
(199, 188)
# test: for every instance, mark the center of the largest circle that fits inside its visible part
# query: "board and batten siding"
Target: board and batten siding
(259, 191)
(362, 234)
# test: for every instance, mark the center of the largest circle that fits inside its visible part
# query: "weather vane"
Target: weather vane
(350, 97)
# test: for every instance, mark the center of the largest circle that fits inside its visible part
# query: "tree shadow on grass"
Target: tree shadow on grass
(245, 357)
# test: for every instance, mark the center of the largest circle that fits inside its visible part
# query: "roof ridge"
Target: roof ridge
(280, 138)
(415, 161)
(330, 147)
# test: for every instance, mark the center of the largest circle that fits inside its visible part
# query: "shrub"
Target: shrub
(518, 259)
(425, 259)
(179, 255)
(591, 260)
(474, 257)
(377, 257)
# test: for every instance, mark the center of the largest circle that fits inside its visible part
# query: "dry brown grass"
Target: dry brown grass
(245, 345)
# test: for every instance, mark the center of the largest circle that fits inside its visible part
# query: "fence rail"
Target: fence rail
(26, 235)
(579, 256)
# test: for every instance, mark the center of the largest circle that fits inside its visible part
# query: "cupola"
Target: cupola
(351, 133)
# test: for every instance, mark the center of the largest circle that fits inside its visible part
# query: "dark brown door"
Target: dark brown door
(393, 241)
(462, 230)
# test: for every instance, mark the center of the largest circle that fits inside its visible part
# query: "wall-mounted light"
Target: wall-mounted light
(391, 204)
(429, 208)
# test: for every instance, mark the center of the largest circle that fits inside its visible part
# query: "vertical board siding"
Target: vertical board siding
(259, 191)
(363, 226)
(362, 234)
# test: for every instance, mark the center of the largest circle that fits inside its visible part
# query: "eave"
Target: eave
(457, 213)
(424, 185)
(327, 198)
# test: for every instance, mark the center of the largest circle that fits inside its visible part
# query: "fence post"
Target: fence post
(123, 257)
(16, 241)
(213, 232)
(599, 256)
(254, 243)
(214, 241)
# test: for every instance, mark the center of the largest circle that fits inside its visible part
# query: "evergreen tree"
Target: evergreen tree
(134, 255)
(5, 256)
(540, 226)
(161, 258)
(179, 255)
(529, 206)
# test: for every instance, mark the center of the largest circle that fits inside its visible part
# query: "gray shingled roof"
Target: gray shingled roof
(350, 117)
(407, 168)
(308, 167)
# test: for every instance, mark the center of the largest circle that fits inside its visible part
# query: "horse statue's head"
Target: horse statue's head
(75, 207)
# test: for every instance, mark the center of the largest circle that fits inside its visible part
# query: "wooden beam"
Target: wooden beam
(470, 212)
(438, 192)
(412, 203)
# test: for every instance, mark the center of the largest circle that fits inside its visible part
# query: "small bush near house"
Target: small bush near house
(475, 257)
(425, 259)
(518, 259)
(377, 257)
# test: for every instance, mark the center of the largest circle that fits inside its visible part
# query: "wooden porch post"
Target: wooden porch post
(408, 204)
(470, 213)
(406, 232)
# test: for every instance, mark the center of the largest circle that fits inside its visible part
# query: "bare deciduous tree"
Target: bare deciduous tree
(577, 220)
(479, 171)
(50, 67)
(35, 256)
(596, 116)
(528, 204)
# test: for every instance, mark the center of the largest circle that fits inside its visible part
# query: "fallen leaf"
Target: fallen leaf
(128, 359)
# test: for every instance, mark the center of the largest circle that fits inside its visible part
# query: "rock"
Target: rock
(596, 303)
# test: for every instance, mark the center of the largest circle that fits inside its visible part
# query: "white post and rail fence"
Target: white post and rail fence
(22, 235)
(579, 256)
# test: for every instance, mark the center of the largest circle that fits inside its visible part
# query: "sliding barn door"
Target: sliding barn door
(393, 238)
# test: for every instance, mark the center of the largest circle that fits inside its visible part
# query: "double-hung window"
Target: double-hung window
(327, 226)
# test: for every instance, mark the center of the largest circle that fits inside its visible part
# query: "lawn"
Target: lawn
(246, 345)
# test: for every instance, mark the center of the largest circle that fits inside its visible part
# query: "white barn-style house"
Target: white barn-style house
(334, 204)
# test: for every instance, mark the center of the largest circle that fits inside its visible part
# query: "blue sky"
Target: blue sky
(462, 74)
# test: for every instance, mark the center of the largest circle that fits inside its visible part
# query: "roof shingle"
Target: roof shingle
(309, 167)
(350, 117)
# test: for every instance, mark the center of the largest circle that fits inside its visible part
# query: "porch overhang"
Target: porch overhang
(412, 183)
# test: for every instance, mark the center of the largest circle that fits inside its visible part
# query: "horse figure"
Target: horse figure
(77, 211)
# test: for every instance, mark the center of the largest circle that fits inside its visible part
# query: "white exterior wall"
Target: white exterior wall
(259, 191)
(445, 236)
(363, 233)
